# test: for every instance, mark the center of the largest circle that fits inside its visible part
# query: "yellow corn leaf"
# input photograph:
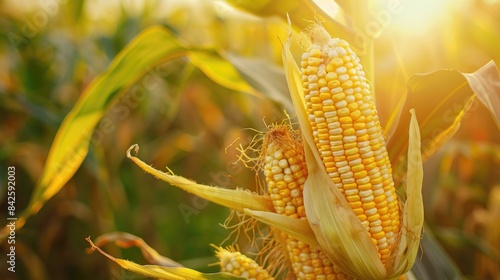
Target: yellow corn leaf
(222, 26)
(220, 71)
(167, 273)
(413, 211)
(70, 146)
(331, 15)
(126, 240)
(441, 99)
(234, 199)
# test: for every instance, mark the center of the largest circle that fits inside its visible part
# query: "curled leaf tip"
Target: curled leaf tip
(92, 245)
(135, 149)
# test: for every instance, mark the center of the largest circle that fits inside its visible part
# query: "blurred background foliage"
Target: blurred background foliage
(51, 50)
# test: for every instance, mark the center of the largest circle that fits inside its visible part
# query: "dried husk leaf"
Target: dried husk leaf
(126, 240)
(234, 199)
(413, 210)
(485, 83)
(296, 228)
(161, 272)
(339, 232)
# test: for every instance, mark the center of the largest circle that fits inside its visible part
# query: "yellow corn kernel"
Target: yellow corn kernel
(353, 123)
(307, 262)
(236, 263)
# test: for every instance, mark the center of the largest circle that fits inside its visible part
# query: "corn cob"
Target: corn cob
(286, 171)
(349, 138)
(236, 263)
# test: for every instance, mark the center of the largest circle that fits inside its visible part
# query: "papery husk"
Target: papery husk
(338, 230)
(163, 272)
(234, 199)
(413, 209)
(296, 228)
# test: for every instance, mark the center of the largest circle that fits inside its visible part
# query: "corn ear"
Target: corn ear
(337, 228)
(285, 171)
(341, 236)
(235, 263)
(348, 136)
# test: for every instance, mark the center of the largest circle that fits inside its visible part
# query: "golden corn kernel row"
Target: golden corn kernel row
(234, 262)
(286, 172)
(349, 138)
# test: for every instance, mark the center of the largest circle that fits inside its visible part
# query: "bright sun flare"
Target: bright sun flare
(419, 16)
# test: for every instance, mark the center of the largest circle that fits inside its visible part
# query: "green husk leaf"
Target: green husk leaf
(161, 272)
(234, 199)
(413, 209)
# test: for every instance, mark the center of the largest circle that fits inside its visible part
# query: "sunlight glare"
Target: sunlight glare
(419, 16)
